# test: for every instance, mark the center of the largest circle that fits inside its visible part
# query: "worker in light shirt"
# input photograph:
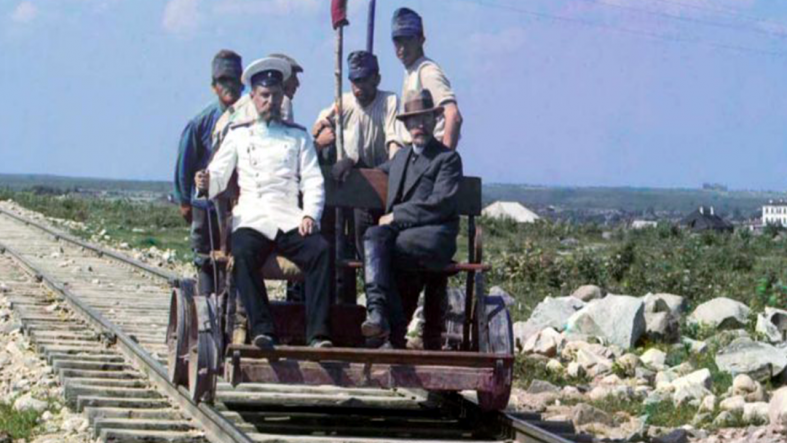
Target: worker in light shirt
(421, 72)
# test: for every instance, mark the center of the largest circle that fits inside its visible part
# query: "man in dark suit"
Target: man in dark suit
(418, 230)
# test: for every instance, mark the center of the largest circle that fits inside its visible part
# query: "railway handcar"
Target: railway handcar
(478, 355)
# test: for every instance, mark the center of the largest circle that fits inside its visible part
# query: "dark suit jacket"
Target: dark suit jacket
(427, 208)
(429, 196)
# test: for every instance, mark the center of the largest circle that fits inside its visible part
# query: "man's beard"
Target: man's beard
(273, 113)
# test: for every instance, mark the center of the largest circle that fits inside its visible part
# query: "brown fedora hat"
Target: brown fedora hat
(419, 103)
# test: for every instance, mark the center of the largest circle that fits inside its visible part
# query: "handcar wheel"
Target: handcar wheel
(496, 336)
(204, 351)
(177, 332)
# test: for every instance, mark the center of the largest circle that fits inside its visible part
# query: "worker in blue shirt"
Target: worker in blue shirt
(194, 154)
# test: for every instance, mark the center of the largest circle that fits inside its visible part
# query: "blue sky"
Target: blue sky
(665, 93)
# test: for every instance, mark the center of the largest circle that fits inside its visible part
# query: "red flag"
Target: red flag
(339, 13)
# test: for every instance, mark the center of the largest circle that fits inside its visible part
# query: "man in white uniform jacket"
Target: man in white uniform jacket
(275, 161)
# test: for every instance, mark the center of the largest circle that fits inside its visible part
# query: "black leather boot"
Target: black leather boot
(377, 283)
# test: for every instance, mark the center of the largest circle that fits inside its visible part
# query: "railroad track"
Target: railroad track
(100, 319)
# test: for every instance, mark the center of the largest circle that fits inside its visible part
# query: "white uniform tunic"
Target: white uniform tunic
(426, 74)
(274, 163)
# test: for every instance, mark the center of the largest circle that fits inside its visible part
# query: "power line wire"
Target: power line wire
(687, 19)
(723, 10)
(638, 32)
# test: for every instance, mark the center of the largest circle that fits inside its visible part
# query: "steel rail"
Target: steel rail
(172, 278)
(530, 433)
(216, 427)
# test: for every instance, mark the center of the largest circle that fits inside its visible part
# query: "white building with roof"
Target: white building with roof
(775, 213)
(511, 210)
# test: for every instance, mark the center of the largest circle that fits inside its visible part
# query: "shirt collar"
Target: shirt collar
(416, 64)
(418, 150)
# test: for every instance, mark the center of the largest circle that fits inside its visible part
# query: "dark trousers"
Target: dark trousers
(396, 289)
(250, 249)
(356, 222)
(201, 244)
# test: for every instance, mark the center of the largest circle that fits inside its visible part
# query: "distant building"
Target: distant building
(714, 187)
(510, 210)
(705, 219)
(642, 224)
(775, 213)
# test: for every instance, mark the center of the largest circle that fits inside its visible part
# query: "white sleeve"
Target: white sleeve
(433, 78)
(223, 165)
(312, 184)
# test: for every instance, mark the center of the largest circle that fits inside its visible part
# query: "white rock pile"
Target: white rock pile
(593, 343)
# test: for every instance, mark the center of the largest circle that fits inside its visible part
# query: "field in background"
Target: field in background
(529, 261)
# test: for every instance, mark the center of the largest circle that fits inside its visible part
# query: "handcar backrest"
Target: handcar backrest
(368, 188)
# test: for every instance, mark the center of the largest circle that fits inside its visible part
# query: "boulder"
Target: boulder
(708, 404)
(619, 392)
(696, 378)
(522, 332)
(751, 390)
(554, 366)
(721, 313)
(760, 361)
(575, 370)
(546, 342)
(695, 346)
(583, 414)
(674, 304)
(553, 312)
(593, 364)
(619, 319)
(550, 313)
(733, 404)
(587, 293)
(628, 363)
(674, 436)
(773, 324)
(28, 403)
(661, 326)
(541, 386)
(756, 413)
(691, 387)
(777, 408)
(724, 419)
(654, 358)
(572, 348)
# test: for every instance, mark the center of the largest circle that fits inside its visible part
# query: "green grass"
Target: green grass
(666, 414)
(527, 369)
(17, 424)
(663, 414)
(533, 261)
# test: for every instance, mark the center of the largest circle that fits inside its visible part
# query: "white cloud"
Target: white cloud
(24, 12)
(182, 17)
(269, 7)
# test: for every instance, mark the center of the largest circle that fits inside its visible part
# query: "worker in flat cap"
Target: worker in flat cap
(275, 161)
(418, 231)
(371, 130)
(244, 111)
(291, 85)
(421, 73)
(194, 153)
